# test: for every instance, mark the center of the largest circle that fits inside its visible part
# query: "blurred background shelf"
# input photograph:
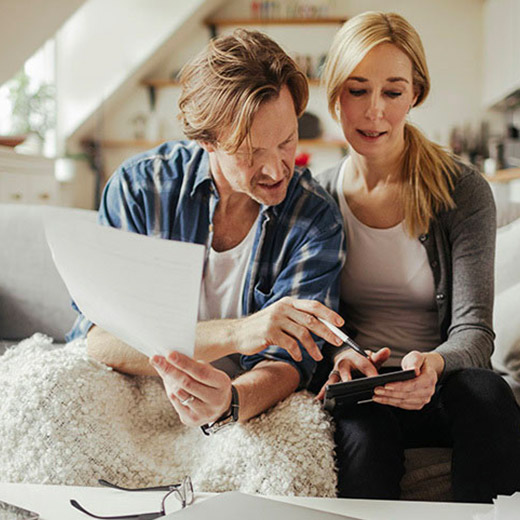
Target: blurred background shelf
(161, 83)
(503, 176)
(12, 140)
(144, 143)
(215, 22)
(170, 83)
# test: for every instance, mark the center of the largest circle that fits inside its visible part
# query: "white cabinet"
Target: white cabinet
(27, 188)
(501, 50)
(27, 180)
(12, 188)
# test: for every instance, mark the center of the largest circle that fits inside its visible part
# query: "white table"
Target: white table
(52, 503)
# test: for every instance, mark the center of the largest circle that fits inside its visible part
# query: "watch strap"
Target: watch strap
(229, 417)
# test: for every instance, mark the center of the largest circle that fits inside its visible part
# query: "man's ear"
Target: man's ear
(209, 147)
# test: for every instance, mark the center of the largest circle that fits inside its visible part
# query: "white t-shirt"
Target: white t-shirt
(223, 281)
(388, 288)
(222, 289)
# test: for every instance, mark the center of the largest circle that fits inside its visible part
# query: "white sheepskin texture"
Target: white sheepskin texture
(66, 419)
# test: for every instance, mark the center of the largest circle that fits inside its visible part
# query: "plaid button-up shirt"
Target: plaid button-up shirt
(298, 249)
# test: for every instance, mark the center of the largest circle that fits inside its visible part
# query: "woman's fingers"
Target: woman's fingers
(380, 357)
(406, 404)
(409, 395)
(334, 378)
(414, 360)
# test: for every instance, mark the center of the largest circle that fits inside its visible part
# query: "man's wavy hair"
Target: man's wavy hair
(224, 86)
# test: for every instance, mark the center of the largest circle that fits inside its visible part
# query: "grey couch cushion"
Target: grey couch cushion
(32, 296)
(507, 213)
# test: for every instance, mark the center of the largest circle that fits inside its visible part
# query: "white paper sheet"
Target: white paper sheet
(143, 290)
(504, 508)
(234, 505)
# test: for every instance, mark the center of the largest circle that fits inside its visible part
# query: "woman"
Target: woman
(418, 278)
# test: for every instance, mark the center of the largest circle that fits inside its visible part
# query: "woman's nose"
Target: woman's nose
(375, 109)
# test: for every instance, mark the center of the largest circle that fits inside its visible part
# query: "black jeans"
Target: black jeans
(473, 412)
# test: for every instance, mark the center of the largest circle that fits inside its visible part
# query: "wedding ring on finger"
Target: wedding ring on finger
(187, 401)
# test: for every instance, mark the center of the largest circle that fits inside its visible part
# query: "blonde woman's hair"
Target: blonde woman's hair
(224, 86)
(428, 169)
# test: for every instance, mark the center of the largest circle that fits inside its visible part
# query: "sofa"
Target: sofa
(34, 299)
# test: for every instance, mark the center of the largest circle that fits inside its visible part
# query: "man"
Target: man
(274, 238)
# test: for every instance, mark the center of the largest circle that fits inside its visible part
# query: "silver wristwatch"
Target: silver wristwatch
(227, 419)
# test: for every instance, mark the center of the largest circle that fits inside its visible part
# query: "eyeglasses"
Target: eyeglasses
(183, 492)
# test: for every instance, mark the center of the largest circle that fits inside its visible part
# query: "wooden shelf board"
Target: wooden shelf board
(275, 21)
(143, 143)
(130, 143)
(161, 82)
(325, 143)
(165, 83)
(502, 176)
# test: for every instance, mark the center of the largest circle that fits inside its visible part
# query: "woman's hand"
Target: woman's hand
(348, 360)
(415, 393)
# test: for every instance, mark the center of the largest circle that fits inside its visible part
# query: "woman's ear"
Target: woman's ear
(417, 93)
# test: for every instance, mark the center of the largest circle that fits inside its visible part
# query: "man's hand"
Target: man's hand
(349, 360)
(284, 323)
(205, 391)
(413, 394)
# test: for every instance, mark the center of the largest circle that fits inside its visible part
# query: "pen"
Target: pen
(343, 337)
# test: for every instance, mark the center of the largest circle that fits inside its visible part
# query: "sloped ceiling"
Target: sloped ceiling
(25, 25)
(103, 54)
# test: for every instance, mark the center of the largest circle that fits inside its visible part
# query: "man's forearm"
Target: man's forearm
(107, 349)
(265, 385)
(259, 389)
(287, 324)
(215, 339)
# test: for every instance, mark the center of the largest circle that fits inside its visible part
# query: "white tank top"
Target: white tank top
(388, 288)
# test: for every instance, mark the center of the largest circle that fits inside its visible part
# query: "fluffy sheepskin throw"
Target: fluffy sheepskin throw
(65, 419)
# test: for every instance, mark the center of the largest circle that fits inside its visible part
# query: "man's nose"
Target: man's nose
(273, 166)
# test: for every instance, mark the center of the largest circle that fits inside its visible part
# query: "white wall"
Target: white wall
(502, 50)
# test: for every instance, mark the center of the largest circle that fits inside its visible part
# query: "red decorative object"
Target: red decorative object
(302, 159)
(12, 140)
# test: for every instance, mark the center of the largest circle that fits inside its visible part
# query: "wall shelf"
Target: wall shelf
(213, 22)
(143, 143)
(169, 83)
(322, 143)
(503, 176)
(161, 82)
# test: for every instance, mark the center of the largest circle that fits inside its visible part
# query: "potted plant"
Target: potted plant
(33, 108)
